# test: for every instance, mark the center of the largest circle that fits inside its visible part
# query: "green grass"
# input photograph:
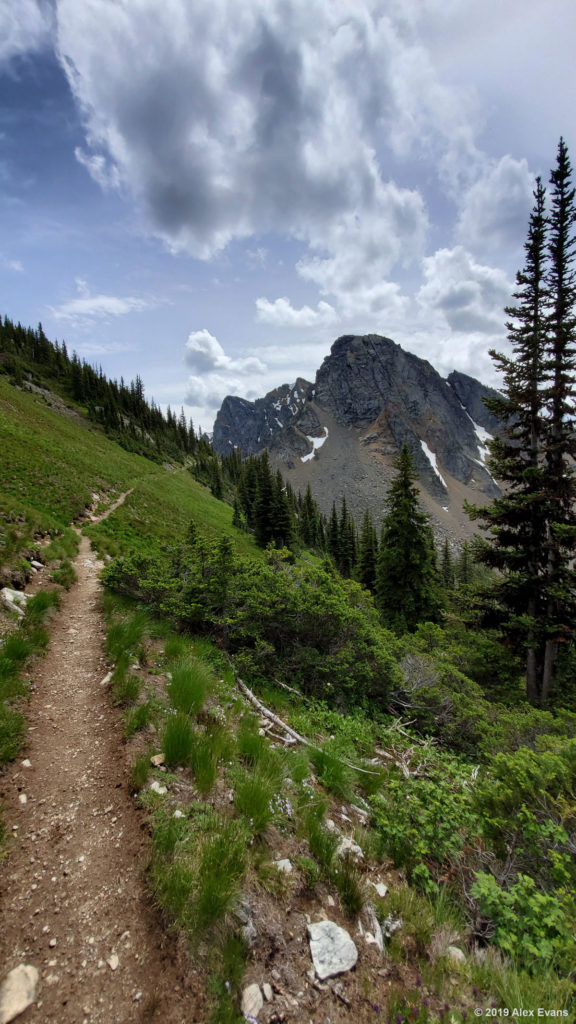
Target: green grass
(64, 575)
(178, 739)
(18, 648)
(192, 680)
(73, 459)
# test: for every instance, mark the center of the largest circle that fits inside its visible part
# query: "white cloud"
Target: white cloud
(89, 307)
(103, 171)
(281, 313)
(242, 119)
(25, 27)
(204, 353)
(466, 296)
(495, 210)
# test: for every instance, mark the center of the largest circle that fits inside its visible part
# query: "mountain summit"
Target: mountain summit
(341, 433)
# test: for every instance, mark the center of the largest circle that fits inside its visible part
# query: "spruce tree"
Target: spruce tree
(368, 553)
(561, 439)
(532, 526)
(407, 583)
(516, 519)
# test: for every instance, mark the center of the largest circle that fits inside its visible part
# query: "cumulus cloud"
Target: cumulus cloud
(281, 313)
(496, 208)
(25, 27)
(88, 307)
(468, 297)
(204, 354)
(243, 119)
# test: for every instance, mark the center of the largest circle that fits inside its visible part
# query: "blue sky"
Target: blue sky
(208, 193)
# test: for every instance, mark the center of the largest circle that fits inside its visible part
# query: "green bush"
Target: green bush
(527, 806)
(426, 817)
(536, 929)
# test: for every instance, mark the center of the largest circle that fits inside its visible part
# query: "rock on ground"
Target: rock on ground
(333, 951)
(18, 991)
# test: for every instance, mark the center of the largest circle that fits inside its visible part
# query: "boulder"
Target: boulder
(332, 949)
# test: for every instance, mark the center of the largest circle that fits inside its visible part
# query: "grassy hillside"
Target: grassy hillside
(52, 463)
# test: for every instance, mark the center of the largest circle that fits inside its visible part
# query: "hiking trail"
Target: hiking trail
(73, 897)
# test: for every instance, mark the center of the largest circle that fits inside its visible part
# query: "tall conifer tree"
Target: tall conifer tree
(533, 524)
(407, 583)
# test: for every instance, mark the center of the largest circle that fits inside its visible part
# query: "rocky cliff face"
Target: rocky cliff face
(342, 433)
(253, 426)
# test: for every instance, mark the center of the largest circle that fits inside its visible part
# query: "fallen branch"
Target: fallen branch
(266, 713)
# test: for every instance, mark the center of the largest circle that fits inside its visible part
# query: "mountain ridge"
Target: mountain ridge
(342, 432)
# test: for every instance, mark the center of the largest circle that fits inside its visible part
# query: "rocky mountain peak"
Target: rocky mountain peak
(342, 433)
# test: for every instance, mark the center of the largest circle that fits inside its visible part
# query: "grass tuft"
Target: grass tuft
(178, 739)
(192, 681)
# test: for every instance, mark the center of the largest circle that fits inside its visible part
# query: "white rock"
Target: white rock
(107, 678)
(456, 955)
(373, 923)
(113, 962)
(157, 787)
(348, 848)
(332, 949)
(268, 993)
(14, 596)
(178, 814)
(23, 798)
(26, 763)
(381, 889)
(330, 826)
(36, 565)
(18, 991)
(252, 1001)
(284, 865)
(157, 760)
(10, 602)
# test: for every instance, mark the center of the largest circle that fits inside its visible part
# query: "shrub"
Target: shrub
(535, 929)
(426, 818)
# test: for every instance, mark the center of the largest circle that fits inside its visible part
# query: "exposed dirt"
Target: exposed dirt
(73, 898)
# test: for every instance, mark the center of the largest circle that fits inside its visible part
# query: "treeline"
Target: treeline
(122, 409)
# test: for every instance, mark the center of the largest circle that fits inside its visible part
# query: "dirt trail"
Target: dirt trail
(72, 892)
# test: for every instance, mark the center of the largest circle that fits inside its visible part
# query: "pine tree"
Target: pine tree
(532, 526)
(407, 584)
(561, 439)
(333, 535)
(515, 520)
(368, 553)
(447, 567)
